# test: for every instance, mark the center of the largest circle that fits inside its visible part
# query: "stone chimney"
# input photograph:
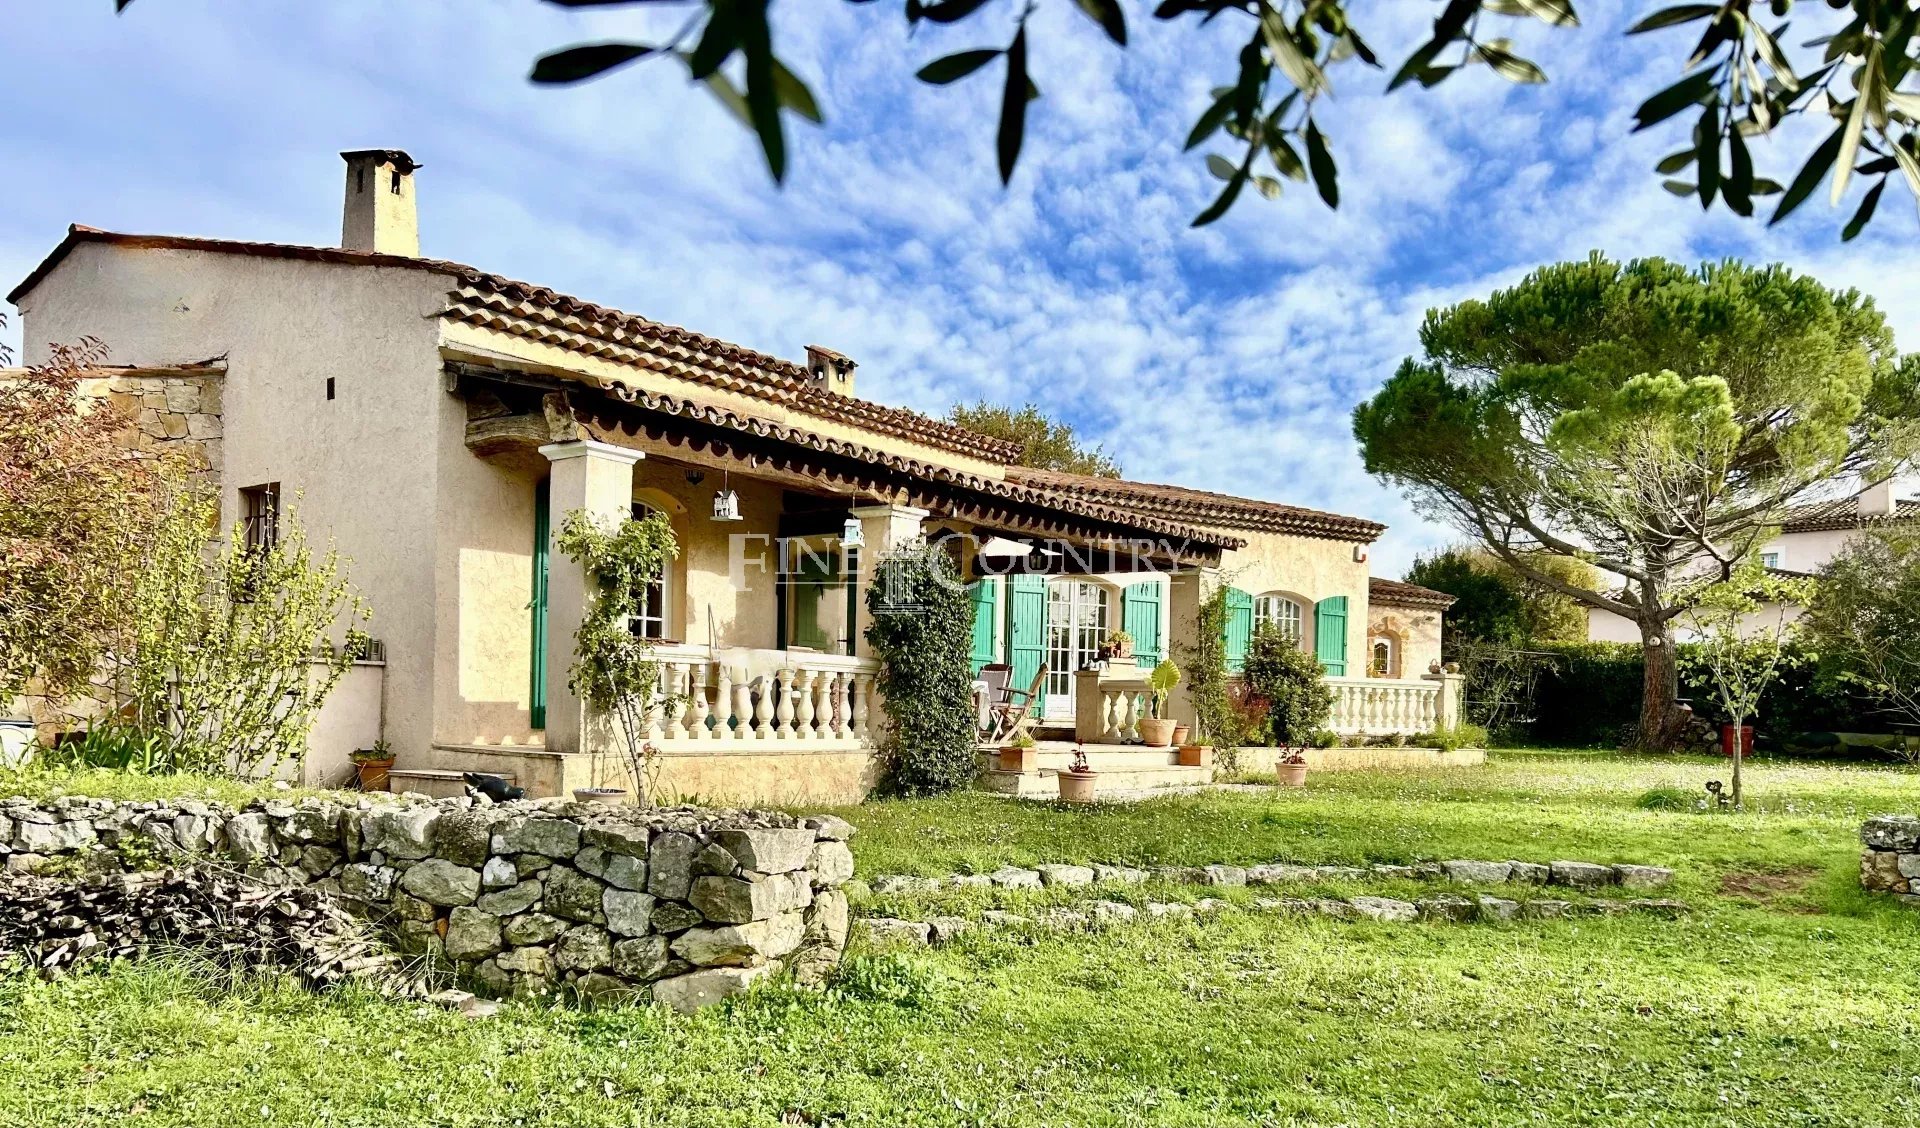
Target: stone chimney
(1876, 500)
(831, 371)
(380, 214)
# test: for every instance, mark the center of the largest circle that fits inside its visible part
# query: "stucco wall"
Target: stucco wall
(1308, 568)
(485, 640)
(1605, 626)
(359, 469)
(1416, 634)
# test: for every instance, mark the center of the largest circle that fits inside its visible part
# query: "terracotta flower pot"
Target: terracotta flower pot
(611, 796)
(1156, 732)
(1179, 733)
(1290, 775)
(373, 773)
(1196, 755)
(1019, 759)
(1077, 787)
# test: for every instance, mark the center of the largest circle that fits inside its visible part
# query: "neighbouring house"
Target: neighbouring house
(1811, 534)
(438, 422)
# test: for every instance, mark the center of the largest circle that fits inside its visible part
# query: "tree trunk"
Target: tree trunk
(1659, 689)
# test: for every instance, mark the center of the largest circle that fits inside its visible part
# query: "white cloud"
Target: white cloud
(1227, 358)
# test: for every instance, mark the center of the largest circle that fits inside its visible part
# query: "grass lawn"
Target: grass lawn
(1787, 998)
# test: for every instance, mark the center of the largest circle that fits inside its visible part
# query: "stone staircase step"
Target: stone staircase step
(435, 782)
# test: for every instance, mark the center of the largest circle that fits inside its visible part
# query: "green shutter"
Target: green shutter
(1239, 627)
(816, 574)
(984, 594)
(537, 688)
(1140, 617)
(1330, 635)
(1026, 627)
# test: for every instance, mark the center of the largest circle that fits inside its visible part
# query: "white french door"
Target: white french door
(1077, 613)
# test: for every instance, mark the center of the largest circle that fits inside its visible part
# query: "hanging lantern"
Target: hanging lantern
(726, 505)
(850, 534)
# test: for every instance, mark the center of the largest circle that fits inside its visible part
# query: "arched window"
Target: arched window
(1385, 662)
(1282, 611)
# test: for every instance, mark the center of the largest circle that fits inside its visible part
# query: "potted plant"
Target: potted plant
(1298, 701)
(1119, 644)
(608, 795)
(1019, 753)
(373, 764)
(1076, 783)
(1290, 770)
(1194, 755)
(1180, 733)
(1156, 731)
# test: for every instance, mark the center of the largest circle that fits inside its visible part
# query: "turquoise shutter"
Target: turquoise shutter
(983, 594)
(1239, 627)
(1330, 635)
(537, 686)
(1026, 627)
(1140, 617)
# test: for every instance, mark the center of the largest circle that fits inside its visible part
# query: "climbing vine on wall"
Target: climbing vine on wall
(921, 631)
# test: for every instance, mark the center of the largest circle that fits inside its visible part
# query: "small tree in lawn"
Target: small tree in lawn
(1864, 623)
(613, 669)
(921, 630)
(1743, 627)
(1293, 686)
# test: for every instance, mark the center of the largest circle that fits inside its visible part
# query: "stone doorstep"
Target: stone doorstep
(893, 931)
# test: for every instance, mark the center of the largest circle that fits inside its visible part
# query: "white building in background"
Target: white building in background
(1811, 535)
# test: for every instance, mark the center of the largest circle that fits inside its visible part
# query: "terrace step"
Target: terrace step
(434, 782)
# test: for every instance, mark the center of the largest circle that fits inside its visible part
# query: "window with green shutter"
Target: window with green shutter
(537, 684)
(1140, 617)
(984, 595)
(1239, 628)
(1330, 635)
(1026, 627)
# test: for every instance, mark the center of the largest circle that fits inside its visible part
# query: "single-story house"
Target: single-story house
(437, 422)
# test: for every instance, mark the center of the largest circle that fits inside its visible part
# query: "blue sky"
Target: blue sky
(1227, 358)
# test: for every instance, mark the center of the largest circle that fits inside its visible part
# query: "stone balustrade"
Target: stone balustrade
(683, 905)
(754, 699)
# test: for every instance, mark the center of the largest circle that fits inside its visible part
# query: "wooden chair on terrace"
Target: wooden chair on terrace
(1010, 714)
(993, 678)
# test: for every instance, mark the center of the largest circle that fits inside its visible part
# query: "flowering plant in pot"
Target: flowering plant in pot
(1119, 644)
(1156, 731)
(373, 764)
(1076, 783)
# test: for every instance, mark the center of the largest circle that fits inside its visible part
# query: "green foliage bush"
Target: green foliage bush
(921, 632)
(1666, 799)
(1290, 683)
(1453, 737)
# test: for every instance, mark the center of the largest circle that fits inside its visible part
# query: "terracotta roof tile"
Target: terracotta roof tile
(1204, 507)
(1396, 593)
(581, 326)
(1842, 513)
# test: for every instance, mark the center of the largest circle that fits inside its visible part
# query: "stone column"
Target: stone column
(1452, 683)
(881, 528)
(1186, 590)
(596, 477)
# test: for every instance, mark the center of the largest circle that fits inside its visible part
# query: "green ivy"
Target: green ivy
(921, 632)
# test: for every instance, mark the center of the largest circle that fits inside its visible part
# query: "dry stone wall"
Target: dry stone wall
(1891, 861)
(687, 905)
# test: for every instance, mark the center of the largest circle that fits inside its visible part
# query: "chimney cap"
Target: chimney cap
(398, 158)
(822, 352)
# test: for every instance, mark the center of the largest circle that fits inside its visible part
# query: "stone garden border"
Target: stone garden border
(939, 930)
(1568, 874)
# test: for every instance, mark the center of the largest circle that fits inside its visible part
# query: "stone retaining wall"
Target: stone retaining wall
(685, 904)
(1891, 861)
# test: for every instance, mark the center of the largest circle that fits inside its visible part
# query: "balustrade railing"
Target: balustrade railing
(1384, 705)
(768, 698)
